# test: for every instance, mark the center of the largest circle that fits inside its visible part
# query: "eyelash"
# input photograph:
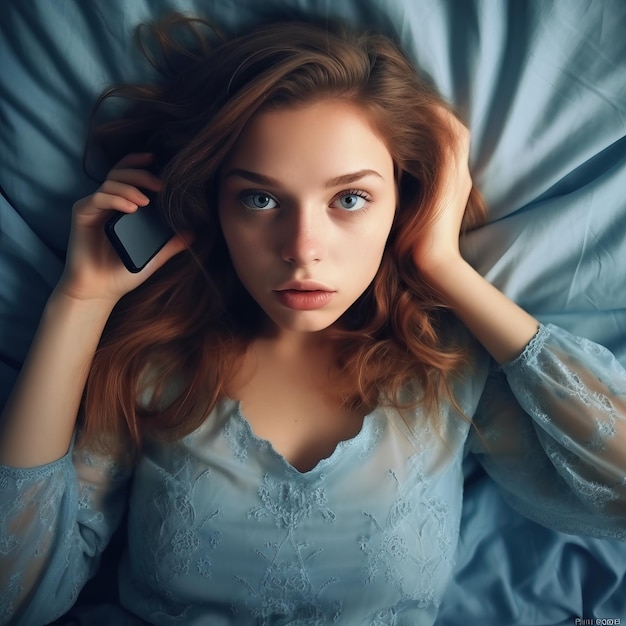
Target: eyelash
(253, 192)
(351, 192)
(360, 193)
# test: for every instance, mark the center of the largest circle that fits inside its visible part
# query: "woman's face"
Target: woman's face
(306, 203)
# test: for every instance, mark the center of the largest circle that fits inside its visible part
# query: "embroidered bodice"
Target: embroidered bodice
(223, 530)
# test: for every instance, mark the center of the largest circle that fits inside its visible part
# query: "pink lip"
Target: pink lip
(303, 285)
(304, 300)
(304, 295)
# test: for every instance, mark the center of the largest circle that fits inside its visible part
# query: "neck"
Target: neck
(297, 345)
(292, 357)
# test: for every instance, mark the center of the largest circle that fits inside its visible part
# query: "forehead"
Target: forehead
(322, 139)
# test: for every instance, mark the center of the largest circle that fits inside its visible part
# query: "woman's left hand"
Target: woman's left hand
(439, 243)
(499, 324)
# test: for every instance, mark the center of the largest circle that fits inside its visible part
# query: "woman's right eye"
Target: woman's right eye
(258, 201)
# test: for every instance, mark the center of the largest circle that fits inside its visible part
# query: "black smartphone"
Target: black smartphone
(138, 236)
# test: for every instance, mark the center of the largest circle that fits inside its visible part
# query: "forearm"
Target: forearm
(501, 326)
(40, 417)
(55, 524)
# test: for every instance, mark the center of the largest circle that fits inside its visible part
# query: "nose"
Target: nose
(302, 237)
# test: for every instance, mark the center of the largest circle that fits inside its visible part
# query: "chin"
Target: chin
(304, 322)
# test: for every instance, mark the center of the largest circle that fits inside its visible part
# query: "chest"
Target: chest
(302, 428)
(225, 522)
(297, 409)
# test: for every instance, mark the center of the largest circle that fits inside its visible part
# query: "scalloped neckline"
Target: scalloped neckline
(323, 463)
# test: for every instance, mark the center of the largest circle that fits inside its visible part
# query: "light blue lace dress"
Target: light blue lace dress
(222, 530)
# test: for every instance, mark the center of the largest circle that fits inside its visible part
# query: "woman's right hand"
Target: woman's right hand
(93, 270)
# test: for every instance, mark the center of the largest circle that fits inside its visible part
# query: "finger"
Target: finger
(101, 202)
(125, 190)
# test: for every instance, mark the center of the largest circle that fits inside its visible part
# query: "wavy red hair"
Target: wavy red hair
(171, 346)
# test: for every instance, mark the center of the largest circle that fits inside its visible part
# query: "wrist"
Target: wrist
(71, 295)
(443, 273)
(63, 303)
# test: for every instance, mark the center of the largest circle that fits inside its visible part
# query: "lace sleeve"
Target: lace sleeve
(551, 430)
(55, 520)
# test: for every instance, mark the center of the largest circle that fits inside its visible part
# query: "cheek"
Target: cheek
(234, 232)
(248, 250)
(376, 242)
(235, 243)
(364, 261)
(377, 247)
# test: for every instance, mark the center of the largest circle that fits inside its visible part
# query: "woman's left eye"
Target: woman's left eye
(353, 200)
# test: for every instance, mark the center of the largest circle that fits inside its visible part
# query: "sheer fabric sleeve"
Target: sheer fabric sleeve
(551, 430)
(55, 520)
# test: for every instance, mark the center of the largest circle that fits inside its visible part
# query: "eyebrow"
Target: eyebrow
(261, 179)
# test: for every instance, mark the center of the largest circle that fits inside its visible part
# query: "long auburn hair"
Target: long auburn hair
(172, 345)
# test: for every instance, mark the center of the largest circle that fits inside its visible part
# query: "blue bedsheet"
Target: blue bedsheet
(542, 86)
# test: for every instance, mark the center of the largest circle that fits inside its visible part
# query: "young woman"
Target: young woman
(283, 397)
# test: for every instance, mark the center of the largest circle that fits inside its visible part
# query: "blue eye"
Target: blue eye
(353, 201)
(258, 201)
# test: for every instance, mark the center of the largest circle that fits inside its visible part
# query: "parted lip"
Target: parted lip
(303, 285)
